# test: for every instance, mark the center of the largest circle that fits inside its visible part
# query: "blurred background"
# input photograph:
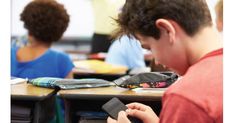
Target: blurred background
(78, 36)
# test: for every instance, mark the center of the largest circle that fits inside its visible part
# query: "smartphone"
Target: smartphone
(114, 106)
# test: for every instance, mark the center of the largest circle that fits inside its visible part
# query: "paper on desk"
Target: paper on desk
(149, 90)
(15, 80)
(99, 67)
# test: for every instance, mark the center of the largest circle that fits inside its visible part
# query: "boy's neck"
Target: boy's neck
(205, 41)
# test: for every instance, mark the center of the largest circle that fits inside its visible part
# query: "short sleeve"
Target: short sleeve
(177, 109)
(127, 52)
(65, 65)
(115, 54)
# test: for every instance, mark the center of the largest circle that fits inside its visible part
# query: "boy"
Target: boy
(180, 35)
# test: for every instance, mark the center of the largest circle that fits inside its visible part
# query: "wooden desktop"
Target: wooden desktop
(92, 99)
(41, 100)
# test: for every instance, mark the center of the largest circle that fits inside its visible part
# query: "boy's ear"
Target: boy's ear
(166, 28)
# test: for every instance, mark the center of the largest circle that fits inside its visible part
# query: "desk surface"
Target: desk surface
(26, 91)
(109, 92)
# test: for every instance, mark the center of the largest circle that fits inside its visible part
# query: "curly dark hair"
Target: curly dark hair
(139, 16)
(46, 20)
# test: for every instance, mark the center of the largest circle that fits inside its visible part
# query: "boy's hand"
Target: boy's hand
(122, 118)
(143, 112)
(138, 110)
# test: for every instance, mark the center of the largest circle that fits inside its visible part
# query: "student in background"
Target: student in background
(219, 15)
(127, 52)
(46, 21)
(104, 12)
(181, 36)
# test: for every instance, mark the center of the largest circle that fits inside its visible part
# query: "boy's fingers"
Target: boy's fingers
(137, 113)
(122, 117)
(137, 106)
(110, 120)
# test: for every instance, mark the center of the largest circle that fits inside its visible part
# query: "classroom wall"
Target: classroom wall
(80, 11)
(211, 5)
(81, 17)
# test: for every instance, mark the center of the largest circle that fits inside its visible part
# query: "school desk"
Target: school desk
(93, 98)
(40, 100)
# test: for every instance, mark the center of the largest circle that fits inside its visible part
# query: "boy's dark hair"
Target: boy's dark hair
(46, 20)
(139, 16)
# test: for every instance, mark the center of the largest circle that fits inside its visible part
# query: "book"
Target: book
(16, 80)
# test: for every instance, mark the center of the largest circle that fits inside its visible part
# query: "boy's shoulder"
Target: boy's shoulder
(206, 76)
(202, 85)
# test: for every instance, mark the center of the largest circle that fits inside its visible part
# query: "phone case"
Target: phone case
(113, 107)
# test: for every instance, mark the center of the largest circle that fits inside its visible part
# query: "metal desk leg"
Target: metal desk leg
(36, 112)
(67, 112)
